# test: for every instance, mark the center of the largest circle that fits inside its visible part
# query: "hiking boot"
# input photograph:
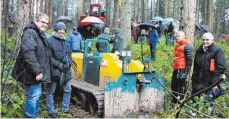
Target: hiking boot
(53, 115)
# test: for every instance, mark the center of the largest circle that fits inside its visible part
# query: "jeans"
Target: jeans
(153, 50)
(33, 93)
(66, 97)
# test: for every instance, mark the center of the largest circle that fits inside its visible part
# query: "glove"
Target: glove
(61, 66)
(66, 66)
(184, 76)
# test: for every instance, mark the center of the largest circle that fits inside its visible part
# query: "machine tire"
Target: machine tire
(74, 71)
(83, 100)
(92, 105)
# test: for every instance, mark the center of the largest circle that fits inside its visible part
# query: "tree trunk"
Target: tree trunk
(126, 21)
(197, 11)
(146, 7)
(34, 8)
(37, 7)
(108, 12)
(167, 8)
(134, 10)
(23, 16)
(161, 8)
(187, 22)
(60, 8)
(46, 10)
(79, 9)
(5, 13)
(42, 6)
(50, 13)
(208, 14)
(151, 9)
(143, 11)
(31, 12)
(138, 16)
(66, 7)
(157, 7)
(86, 6)
(116, 14)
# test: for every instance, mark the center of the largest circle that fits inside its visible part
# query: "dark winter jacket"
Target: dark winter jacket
(34, 57)
(101, 47)
(202, 76)
(61, 51)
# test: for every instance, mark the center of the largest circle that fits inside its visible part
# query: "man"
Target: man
(118, 43)
(34, 62)
(101, 47)
(75, 40)
(153, 39)
(181, 66)
(61, 72)
(209, 65)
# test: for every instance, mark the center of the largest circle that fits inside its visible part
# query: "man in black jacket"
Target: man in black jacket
(209, 65)
(34, 62)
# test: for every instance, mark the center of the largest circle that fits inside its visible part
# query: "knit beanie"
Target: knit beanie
(59, 26)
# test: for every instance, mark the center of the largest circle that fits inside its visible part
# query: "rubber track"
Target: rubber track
(97, 92)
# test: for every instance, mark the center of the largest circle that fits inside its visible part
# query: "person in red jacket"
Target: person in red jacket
(181, 66)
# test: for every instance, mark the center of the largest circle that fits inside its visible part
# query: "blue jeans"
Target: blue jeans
(33, 94)
(153, 50)
(66, 97)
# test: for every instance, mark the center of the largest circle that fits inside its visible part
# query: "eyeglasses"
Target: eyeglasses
(44, 22)
(205, 39)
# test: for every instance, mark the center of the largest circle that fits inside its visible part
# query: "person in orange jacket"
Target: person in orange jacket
(181, 66)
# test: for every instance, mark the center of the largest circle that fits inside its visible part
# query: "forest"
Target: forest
(194, 17)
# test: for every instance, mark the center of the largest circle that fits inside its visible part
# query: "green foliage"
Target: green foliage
(12, 100)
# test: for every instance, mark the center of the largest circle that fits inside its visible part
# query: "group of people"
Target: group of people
(47, 60)
(209, 66)
(44, 60)
(118, 41)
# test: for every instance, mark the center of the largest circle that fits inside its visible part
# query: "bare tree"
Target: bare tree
(143, 11)
(50, 13)
(66, 7)
(208, 12)
(138, 16)
(60, 8)
(116, 14)
(168, 8)
(5, 13)
(79, 9)
(42, 6)
(108, 12)
(125, 22)
(187, 21)
(161, 8)
(23, 17)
